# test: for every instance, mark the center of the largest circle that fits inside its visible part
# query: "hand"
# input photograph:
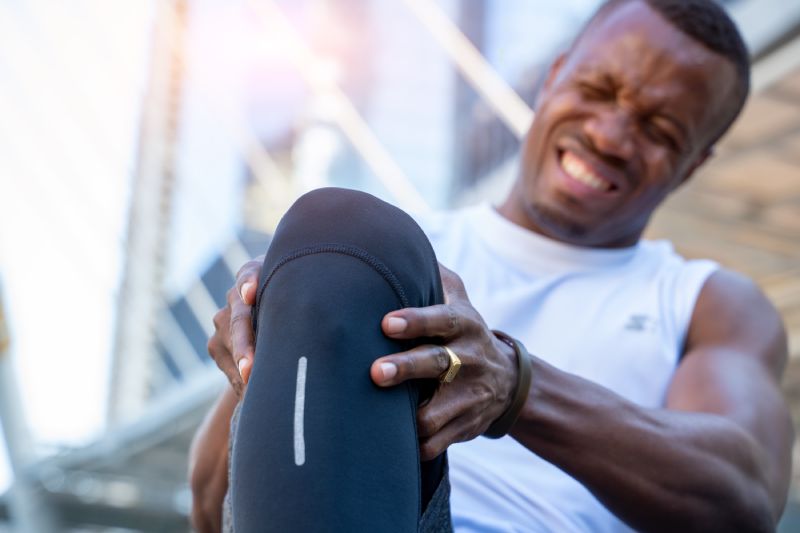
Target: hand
(482, 390)
(232, 344)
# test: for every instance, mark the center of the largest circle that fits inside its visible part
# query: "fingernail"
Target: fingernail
(396, 325)
(242, 364)
(389, 371)
(245, 290)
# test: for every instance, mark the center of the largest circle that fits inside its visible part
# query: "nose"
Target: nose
(611, 135)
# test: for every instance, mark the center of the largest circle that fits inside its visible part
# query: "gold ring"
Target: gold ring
(453, 368)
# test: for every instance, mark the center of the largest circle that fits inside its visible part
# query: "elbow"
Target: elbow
(202, 522)
(752, 512)
(198, 513)
(757, 514)
(204, 517)
(206, 512)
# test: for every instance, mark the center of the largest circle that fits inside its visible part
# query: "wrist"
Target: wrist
(501, 426)
(511, 373)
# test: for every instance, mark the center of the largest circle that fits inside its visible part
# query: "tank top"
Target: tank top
(617, 317)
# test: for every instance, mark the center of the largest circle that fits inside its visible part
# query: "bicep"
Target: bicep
(742, 391)
(736, 351)
(731, 384)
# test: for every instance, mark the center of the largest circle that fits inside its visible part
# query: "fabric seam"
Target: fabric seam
(351, 251)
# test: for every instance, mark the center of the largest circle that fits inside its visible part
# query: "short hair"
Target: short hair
(709, 24)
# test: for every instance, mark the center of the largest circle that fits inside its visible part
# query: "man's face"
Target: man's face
(622, 120)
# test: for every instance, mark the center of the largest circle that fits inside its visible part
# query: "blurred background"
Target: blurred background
(148, 148)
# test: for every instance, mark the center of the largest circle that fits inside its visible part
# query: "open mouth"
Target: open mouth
(581, 172)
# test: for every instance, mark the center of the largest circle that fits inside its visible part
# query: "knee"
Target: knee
(329, 202)
(333, 214)
(334, 217)
(343, 216)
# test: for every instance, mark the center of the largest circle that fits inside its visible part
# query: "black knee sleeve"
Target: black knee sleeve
(319, 447)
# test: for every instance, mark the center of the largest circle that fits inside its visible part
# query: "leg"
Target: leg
(318, 446)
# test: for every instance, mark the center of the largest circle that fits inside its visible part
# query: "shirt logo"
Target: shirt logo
(641, 323)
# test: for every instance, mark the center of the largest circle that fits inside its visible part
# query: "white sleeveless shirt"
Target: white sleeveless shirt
(616, 317)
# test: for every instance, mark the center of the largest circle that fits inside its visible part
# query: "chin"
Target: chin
(557, 225)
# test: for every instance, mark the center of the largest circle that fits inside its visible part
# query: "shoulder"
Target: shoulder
(678, 282)
(732, 312)
(662, 253)
(661, 258)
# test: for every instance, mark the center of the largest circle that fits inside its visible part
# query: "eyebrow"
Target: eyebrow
(607, 78)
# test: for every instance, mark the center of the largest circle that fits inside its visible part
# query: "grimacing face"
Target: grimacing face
(623, 119)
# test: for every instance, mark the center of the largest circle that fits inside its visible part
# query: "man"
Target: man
(655, 402)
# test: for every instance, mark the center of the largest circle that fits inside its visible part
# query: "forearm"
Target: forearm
(656, 469)
(208, 464)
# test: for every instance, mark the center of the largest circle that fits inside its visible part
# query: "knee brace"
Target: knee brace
(319, 447)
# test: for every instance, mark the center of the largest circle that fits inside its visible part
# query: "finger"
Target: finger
(219, 345)
(247, 280)
(222, 357)
(433, 321)
(457, 430)
(426, 361)
(452, 285)
(443, 408)
(242, 339)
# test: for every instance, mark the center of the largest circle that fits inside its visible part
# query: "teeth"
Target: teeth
(580, 172)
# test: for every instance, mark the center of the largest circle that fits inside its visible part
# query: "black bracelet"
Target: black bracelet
(502, 425)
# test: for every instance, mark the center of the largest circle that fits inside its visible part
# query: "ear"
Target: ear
(702, 159)
(552, 74)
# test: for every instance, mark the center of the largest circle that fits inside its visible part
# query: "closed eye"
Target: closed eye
(594, 92)
(661, 134)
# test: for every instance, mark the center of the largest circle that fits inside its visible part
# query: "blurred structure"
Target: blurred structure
(250, 103)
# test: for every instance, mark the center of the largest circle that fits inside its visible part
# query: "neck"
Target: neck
(517, 212)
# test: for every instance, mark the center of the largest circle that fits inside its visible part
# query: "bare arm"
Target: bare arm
(231, 347)
(717, 458)
(208, 465)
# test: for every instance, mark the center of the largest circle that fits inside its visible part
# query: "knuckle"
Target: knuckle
(428, 450)
(428, 425)
(242, 350)
(483, 395)
(470, 322)
(238, 318)
(418, 322)
(220, 360)
(409, 365)
(219, 319)
(448, 274)
(453, 320)
(453, 281)
(247, 270)
(442, 359)
(212, 346)
(425, 450)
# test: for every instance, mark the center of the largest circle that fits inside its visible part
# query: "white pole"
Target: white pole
(29, 509)
(511, 109)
